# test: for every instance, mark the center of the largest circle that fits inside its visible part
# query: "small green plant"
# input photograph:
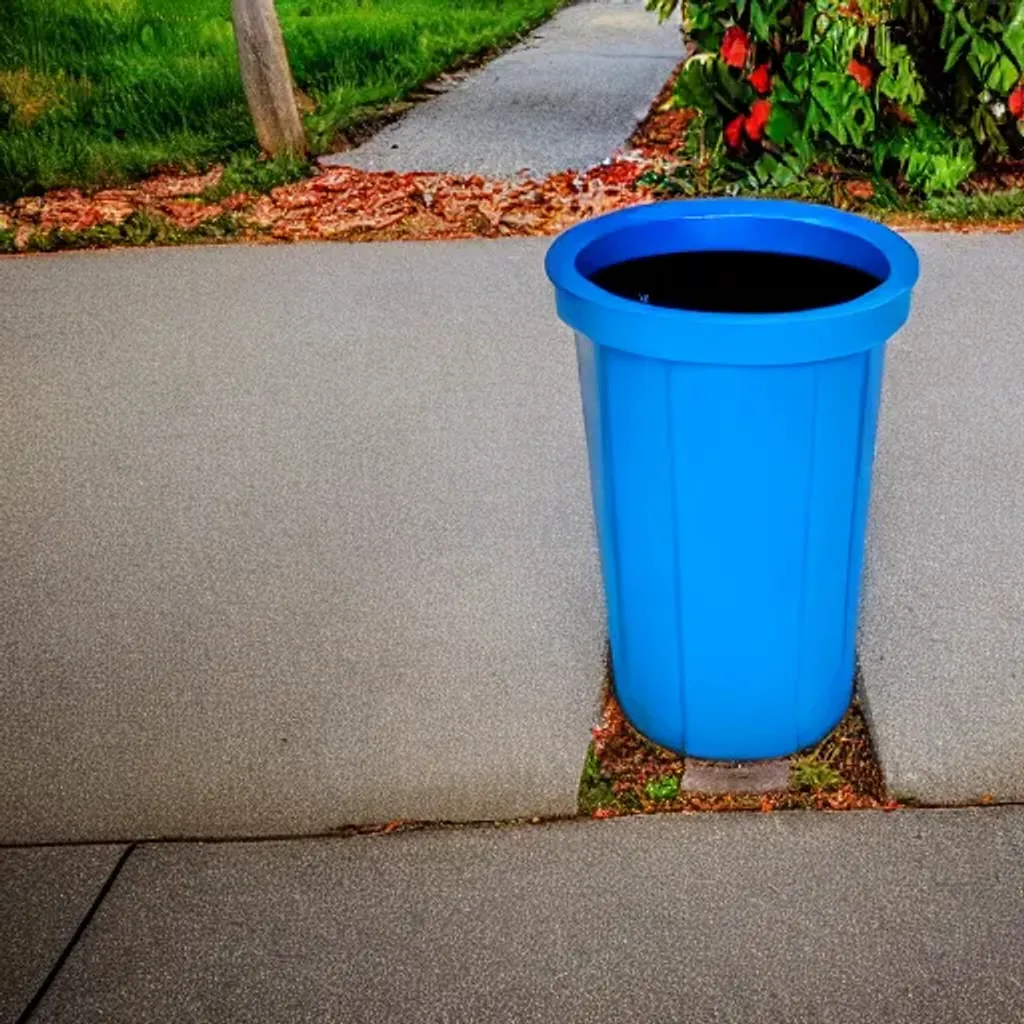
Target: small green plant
(810, 774)
(250, 172)
(664, 787)
(595, 791)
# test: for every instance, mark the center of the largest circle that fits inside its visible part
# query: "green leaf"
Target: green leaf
(664, 8)
(807, 31)
(801, 152)
(981, 56)
(774, 172)
(860, 120)
(731, 86)
(883, 45)
(796, 70)
(978, 126)
(766, 168)
(1014, 38)
(989, 130)
(782, 124)
(1003, 76)
(900, 80)
(827, 90)
(959, 44)
(758, 21)
(695, 86)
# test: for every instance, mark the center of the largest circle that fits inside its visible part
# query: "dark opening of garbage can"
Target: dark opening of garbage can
(735, 281)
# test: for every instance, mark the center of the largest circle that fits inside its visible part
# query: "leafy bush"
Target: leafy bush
(921, 90)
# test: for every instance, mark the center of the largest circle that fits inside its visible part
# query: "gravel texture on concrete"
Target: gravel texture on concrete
(567, 97)
(45, 894)
(857, 918)
(293, 538)
(942, 638)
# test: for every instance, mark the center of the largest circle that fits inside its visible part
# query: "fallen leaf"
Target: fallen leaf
(859, 189)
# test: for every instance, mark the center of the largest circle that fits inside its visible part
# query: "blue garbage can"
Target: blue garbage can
(730, 359)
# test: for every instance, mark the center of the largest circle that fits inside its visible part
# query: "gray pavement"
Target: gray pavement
(942, 640)
(45, 893)
(293, 538)
(300, 537)
(797, 918)
(567, 97)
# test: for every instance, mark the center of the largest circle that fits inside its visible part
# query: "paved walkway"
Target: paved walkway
(567, 97)
(293, 538)
(300, 537)
(857, 918)
(942, 641)
(45, 895)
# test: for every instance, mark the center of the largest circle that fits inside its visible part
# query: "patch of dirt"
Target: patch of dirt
(660, 135)
(627, 774)
(1008, 175)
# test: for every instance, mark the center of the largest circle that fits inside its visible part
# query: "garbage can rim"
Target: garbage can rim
(580, 299)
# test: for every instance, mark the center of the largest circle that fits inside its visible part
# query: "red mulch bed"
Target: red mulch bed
(347, 204)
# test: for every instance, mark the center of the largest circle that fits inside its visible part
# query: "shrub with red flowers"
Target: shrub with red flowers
(919, 90)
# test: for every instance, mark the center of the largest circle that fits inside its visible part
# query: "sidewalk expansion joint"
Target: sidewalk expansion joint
(33, 1003)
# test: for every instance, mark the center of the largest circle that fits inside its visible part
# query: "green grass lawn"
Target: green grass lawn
(101, 91)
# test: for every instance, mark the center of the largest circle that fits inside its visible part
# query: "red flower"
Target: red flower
(1015, 102)
(861, 72)
(755, 121)
(761, 79)
(735, 47)
(734, 132)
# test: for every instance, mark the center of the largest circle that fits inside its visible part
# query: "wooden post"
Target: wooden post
(267, 77)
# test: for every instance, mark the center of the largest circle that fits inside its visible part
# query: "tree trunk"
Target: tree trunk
(267, 78)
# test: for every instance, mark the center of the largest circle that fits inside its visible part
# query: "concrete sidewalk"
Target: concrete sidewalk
(45, 895)
(300, 536)
(856, 918)
(293, 538)
(942, 634)
(567, 97)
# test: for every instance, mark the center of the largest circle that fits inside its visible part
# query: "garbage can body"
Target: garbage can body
(730, 459)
